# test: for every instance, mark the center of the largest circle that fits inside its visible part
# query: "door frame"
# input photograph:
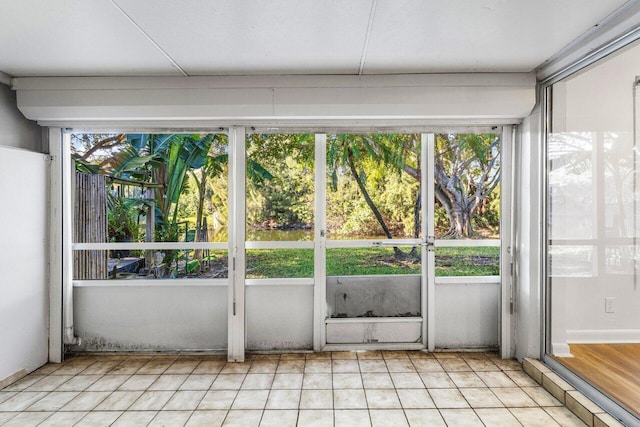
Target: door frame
(236, 318)
(426, 242)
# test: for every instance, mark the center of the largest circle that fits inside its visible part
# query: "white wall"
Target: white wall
(279, 317)
(467, 314)
(383, 296)
(151, 318)
(23, 259)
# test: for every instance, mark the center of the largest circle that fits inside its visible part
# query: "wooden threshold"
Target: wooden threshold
(612, 368)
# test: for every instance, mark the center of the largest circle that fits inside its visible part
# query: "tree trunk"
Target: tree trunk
(369, 201)
(202, 187)
(160, 176)
(416, 221)
(460, 222)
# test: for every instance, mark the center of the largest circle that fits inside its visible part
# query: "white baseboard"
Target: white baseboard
(12, 378)
(560, 349)
(603, 336)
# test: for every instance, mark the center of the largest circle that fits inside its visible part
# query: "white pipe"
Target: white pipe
(69, 337)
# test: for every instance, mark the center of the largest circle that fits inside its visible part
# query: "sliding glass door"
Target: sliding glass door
(592, 217)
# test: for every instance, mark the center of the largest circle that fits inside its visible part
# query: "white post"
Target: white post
(67, 239)
(320, 253)
(55, 246)
(236, 221)
(428, 232)
(506, 245)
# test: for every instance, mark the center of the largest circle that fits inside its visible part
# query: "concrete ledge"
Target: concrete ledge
(582, 407)
(606, 420)
(534, 368)
(590, 413)
(556, 386)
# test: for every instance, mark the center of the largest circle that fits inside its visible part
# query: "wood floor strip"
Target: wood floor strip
(612, 368)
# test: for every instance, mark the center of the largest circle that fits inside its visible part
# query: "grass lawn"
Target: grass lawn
(272, 263)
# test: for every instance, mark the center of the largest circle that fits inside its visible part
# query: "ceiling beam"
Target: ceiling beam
(388, 99)
(5, 79)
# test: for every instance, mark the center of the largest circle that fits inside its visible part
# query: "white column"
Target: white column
(320, 253)
(55, 246)
(68, 177)
(428, 229)
(236, 221)
(506, 244)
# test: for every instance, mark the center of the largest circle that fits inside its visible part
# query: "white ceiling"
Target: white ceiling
(245, 37)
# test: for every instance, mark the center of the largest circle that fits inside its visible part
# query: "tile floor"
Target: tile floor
(388, 388)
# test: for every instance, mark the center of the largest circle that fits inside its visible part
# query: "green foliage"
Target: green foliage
(279, 263)
(168, 232)
(379, 160)
(189, 172)
(121, 224)
(394, 194)
(158, 161)
(192, 266)
(366, 261)
(467, 172)
(280, 180)
(468, 261)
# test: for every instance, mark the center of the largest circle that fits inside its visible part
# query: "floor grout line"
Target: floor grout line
(396, 366)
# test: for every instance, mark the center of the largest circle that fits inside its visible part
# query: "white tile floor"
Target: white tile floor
(388, 388)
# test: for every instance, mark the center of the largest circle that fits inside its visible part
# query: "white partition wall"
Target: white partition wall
(23, 260)
(151, 318)
(467, 314)
(279, 317)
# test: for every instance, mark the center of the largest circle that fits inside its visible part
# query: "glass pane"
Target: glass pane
(280, 189)
(150, 264)
(468, 261)
(373, 261)
(619, 186)
(621, 259)
(279, 263)
(373, 186)
(572, 261)
(150, 187)
(592, 220)
(571, 191)
(467, 186)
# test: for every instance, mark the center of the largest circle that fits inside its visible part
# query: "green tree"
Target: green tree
(351, 152)
(467, 170)
(281, 196)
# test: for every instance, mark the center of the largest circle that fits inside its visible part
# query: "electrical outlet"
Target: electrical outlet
(608, 305)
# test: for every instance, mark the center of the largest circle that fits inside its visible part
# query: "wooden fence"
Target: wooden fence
(90, 225)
